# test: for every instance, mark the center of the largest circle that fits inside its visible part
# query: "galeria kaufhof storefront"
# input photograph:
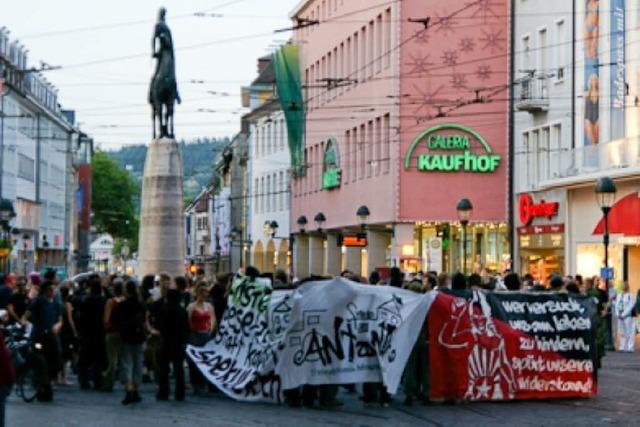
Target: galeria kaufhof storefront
(450, 161)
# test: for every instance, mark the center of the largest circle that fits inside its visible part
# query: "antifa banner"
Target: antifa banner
(325, 332)
(506, 345)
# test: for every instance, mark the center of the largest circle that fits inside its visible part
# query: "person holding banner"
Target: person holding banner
(624, 311)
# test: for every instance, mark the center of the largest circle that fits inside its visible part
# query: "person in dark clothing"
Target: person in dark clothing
(5, 293)
(218, 295)
(556, 283)
(92, 355)
(459, 282)
(182, 284)
(512, 282)
(131, 318)
(475, 281)
(19, 301)
(173, 324)
(395, 277)
(45, 314)
(7, 376)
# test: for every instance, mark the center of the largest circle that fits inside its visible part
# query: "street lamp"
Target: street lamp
(320, 219)
(465, 209)
(302, 223)
(606, 196)
(363, 214)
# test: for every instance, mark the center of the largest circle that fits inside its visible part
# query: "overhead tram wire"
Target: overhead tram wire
(93, 28)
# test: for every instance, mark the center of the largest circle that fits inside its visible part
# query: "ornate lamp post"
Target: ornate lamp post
(363, 215)
(606, 196)
(320, 219)
(465, 210)
(302, 223)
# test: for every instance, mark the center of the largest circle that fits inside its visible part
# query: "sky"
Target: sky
(104, 49)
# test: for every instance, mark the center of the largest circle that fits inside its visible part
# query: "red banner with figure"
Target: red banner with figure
(512, 345)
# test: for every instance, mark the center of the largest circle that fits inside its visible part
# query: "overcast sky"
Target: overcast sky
(110, 97)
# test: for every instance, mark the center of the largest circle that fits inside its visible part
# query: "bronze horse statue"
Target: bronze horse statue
(163, 92)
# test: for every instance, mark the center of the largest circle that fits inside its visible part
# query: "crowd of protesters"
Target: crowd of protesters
(110, 328)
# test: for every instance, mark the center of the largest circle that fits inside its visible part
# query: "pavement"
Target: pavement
(616, 404)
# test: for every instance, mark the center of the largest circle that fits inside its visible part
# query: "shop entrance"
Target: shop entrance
(542, 263)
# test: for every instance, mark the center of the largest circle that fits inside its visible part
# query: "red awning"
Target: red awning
(624, 217)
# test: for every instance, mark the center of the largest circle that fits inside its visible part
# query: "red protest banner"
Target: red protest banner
(503, 346)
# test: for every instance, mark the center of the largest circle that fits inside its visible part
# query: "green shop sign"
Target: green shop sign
(331, 173)
(451, 148)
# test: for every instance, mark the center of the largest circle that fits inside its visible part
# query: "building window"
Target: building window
(377, 143)
(379, 48)
(369, 146)
(386, 152)
(356, 58)
(363, 54)
(361, 149)
(26, 168)
(372, 50)
(556, 147)
(354, 151)
(560, 50)
(544, 155)
(526, 55)
(387, 38)
(347, 156)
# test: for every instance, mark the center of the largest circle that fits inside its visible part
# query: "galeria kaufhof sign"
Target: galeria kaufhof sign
(451, 147)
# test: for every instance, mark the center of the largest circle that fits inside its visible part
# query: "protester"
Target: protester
(416, 372)
(444, 281)
(202, 323)
(475, 281)
(154, 340)
(131, 317)
(512, 282)
(395, 277)
(182, 284)
(624, 311)
(174, 329)
(19, 300)
(113, 340)
(7, 376)
(91, 358)
(557, 284)
(68, 335)
(45, 314)
(374, 278)
(459, 282)
(5, 293)
(218, 295)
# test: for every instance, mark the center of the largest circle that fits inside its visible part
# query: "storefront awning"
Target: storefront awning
(624, 217)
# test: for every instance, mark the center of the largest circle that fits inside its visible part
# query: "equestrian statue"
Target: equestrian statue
(163, 92)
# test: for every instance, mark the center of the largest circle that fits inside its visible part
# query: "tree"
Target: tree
(113, 198)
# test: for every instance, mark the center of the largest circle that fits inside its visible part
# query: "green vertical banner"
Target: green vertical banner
(286, 63)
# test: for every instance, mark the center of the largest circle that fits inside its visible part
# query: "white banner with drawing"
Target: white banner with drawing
(325, 332)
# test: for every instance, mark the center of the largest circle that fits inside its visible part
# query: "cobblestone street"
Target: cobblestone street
(616, 405)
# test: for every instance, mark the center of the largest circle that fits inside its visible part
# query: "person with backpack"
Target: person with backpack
(131, 318)
(113, 342)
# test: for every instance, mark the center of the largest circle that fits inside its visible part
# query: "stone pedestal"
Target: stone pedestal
(162, 239)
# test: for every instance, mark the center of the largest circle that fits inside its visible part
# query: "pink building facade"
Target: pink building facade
(402, 122)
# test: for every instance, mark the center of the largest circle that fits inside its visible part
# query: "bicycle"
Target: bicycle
(27, 359)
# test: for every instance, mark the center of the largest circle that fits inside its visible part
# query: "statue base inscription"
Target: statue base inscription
(161, 242)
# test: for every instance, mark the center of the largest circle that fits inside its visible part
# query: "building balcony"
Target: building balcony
(619, 158)
(532, 94)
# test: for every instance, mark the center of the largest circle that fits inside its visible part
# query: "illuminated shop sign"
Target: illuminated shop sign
(529, 210)
(331, 173)
(358, 240)
(451, 148)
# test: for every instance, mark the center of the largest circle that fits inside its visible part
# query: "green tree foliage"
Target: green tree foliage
(113, 198)
(197, 156)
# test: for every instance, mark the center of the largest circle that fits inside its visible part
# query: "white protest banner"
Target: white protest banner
(241, 358)
(343, 332)
(325, 332)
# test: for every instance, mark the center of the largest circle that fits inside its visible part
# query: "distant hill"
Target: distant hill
(198, 157)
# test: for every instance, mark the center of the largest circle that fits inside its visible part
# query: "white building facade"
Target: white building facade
(576, 115)
(37, 148)
(269, 171)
